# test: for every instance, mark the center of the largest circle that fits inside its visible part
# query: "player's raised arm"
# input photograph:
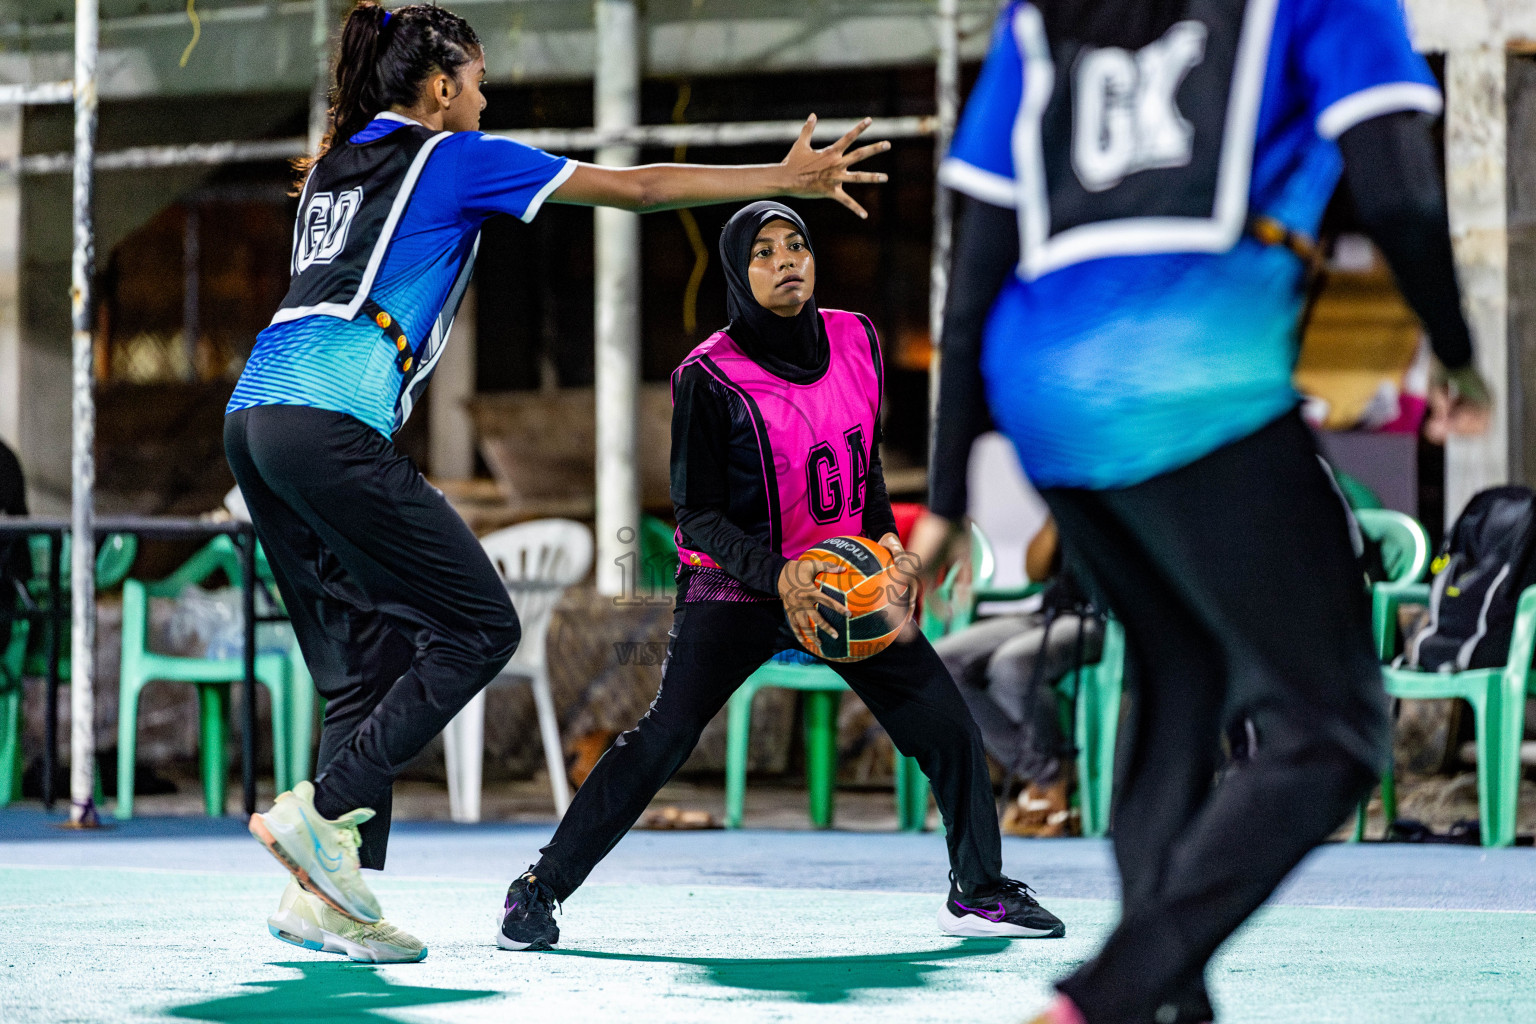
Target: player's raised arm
(805, 173)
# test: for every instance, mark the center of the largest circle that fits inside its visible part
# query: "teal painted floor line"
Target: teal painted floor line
(109, 944)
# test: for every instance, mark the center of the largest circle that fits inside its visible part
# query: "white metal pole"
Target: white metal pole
(320, 93)
(82, 698)
(617, 363)
(450, 427)
(10, 279)
(947, 100)
(1476, 181)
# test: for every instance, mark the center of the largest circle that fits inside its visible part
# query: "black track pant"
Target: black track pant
(400, 615)
(715, 646)
(1240, 596)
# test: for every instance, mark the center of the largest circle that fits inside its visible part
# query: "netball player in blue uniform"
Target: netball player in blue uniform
(400, 615)
(1143, 181)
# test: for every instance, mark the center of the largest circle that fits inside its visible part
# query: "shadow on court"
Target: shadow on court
(340, 991)
(821, 979)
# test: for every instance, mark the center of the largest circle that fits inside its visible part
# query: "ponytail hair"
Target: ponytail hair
(384, 58)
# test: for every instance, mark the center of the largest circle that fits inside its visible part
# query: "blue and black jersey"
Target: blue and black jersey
(384, 244)
(1144, 327)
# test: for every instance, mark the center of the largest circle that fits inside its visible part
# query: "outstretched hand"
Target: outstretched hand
(905, 570)
(1459, 404)
(935, 544)
(822, 173)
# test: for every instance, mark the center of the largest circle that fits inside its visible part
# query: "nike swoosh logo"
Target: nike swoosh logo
(991, 915)
(325, 858)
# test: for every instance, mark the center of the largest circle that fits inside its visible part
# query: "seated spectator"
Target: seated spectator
(1005, 668)
(15, 562)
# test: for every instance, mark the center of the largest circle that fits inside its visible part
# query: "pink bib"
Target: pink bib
(815, 438)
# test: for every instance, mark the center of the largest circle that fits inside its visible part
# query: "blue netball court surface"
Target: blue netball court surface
(159, 920)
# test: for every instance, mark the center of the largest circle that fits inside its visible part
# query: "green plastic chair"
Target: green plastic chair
(1497, 696)
(1356, 494)
(1095, 691)
(1405, 556)
(283, 674)
(658, 557)
(27, 654)
(823, 689)
(114, 557)
(963, 612)
(12, 662)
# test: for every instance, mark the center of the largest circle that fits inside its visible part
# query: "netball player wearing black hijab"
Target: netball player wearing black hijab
(775, 448)
(1143, 178)
(399, 613)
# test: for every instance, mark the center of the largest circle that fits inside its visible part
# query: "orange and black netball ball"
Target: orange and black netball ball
(866, 583)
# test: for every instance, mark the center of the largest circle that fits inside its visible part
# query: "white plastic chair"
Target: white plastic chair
(538, 561)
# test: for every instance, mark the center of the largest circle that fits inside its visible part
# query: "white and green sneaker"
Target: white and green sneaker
(321, 854)
(304, 920)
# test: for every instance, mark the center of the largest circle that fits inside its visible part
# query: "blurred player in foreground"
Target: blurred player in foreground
(1144, 180)
(399, 613)
(775, 448)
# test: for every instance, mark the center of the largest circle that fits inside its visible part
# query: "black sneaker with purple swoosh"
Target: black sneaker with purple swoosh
(528, 916)
(1008, 910)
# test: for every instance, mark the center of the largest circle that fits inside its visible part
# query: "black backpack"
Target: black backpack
(1480, 572)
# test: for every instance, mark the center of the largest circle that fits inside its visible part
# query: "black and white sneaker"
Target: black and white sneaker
(528, 917)
(1007, 911)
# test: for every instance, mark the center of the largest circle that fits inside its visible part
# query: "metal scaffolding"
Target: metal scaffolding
(561, 140)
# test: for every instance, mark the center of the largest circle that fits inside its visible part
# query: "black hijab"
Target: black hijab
(792, 347)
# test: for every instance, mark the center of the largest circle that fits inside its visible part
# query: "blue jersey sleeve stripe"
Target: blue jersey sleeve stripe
(565, 171)
(1389, 98)
(977, 183)
(982, 138)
